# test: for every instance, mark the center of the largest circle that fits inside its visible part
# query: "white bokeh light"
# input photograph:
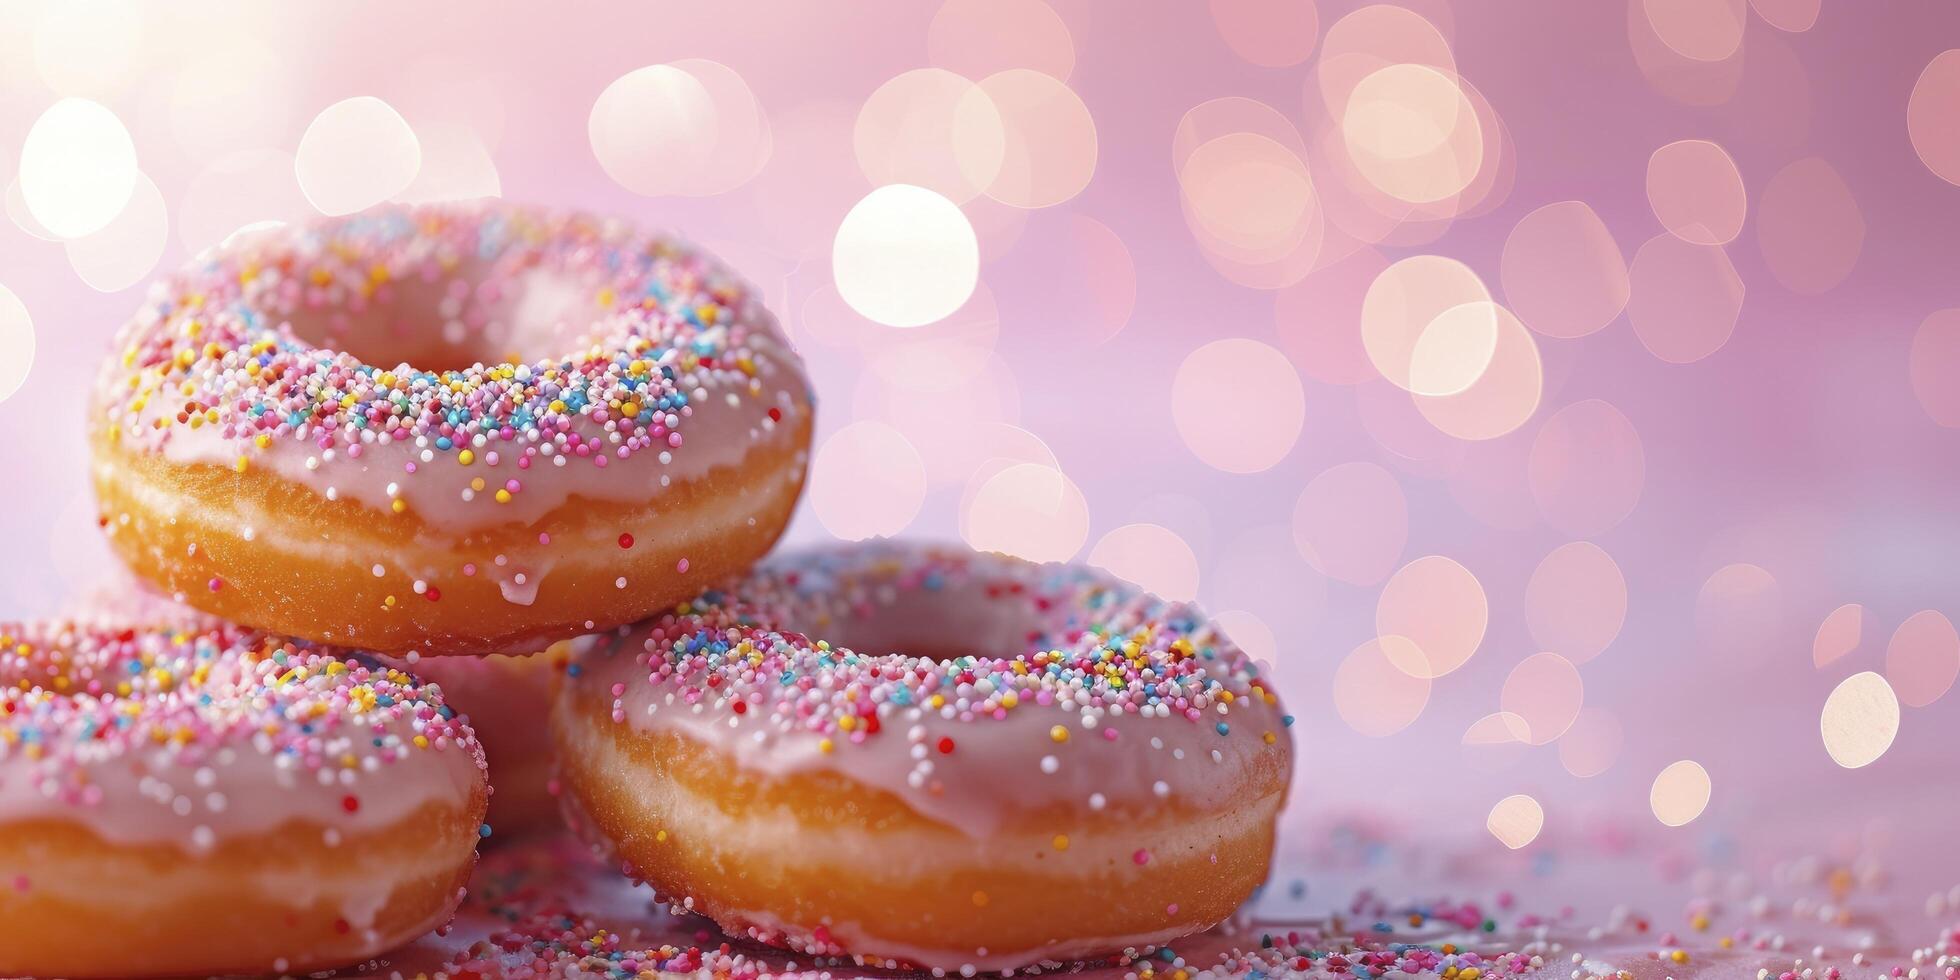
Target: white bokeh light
(905, 256)
(16, 343)
(77, 168)
(356, 153)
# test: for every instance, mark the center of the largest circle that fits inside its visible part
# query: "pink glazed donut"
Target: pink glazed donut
(204, 799)
(930, 756)
(458, 428)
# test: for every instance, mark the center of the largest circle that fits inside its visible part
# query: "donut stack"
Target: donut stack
(444, 479)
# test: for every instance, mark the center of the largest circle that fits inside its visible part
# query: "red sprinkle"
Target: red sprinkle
(626, 541)
(945, 746)
(350, 804)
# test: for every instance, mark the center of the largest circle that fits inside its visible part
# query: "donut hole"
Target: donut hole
(477, 314)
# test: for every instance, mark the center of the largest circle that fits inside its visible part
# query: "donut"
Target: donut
(212, 800)
(506, 700)
(455, 428)
(928, 756)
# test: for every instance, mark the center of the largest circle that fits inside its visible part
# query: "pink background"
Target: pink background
(1799, 466)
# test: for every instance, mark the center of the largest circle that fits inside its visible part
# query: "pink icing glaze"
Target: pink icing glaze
(1024, 684)
(196, 732)
(477, 364)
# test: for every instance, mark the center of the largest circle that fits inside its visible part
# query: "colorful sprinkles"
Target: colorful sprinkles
(1090, 648)
(635, 335)
(215, 719)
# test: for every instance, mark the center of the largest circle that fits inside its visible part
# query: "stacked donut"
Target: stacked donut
(449, 480)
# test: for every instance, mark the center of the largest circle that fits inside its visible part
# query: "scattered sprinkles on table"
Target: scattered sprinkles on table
(144, 732)
(577, 343)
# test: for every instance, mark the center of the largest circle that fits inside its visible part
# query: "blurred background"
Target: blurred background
(1561, 397)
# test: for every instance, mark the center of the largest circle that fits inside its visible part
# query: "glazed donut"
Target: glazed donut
(209, 800)
(448, 428)
(506, 701)
(1055, 767)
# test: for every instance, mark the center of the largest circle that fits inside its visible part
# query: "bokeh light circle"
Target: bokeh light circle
(16, 344)
(1369, 39)
(1923, 658)
(1794, 16)
(1697, 192)
(1563, 274)
(122, 253)
(905, 256)
(1809, 226)
(866, 480)
(1515, 821)
(1545, 691)
(1268, 33)
(1738, 612)
(1351, 522)
(1437, 607)
(932, 128)
(1048, 151)
(689, 128)
(1839, 634)
(1700, 30)
(1408, 338)
(77, 168)
(1686, 298)
(1249, 197)
(1507, 393)
(977, 38)
(1372, 694)
(1238, 405)
(1933, 365)
(355, 154)
(1151, 556)
(1592, 744)
(1576, 601)
(1587, 468)
(1930, 112)
(1860, 720)
(1029, 510)
(1680, 793)
(1413, 134)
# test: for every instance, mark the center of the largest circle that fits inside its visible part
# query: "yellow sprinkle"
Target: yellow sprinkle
(399, 506)
(826, 746)
(848, 722)
(1678, 956)
(1007, 700)
(389, 602)
(661, 837)
(1699, 922)
(421, 741)
(478, 484)
(466, 457)
(242, 465)
(1061, 842)
(1271, 738)
(503, 496)
(1058, 734)
(1727, 943)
